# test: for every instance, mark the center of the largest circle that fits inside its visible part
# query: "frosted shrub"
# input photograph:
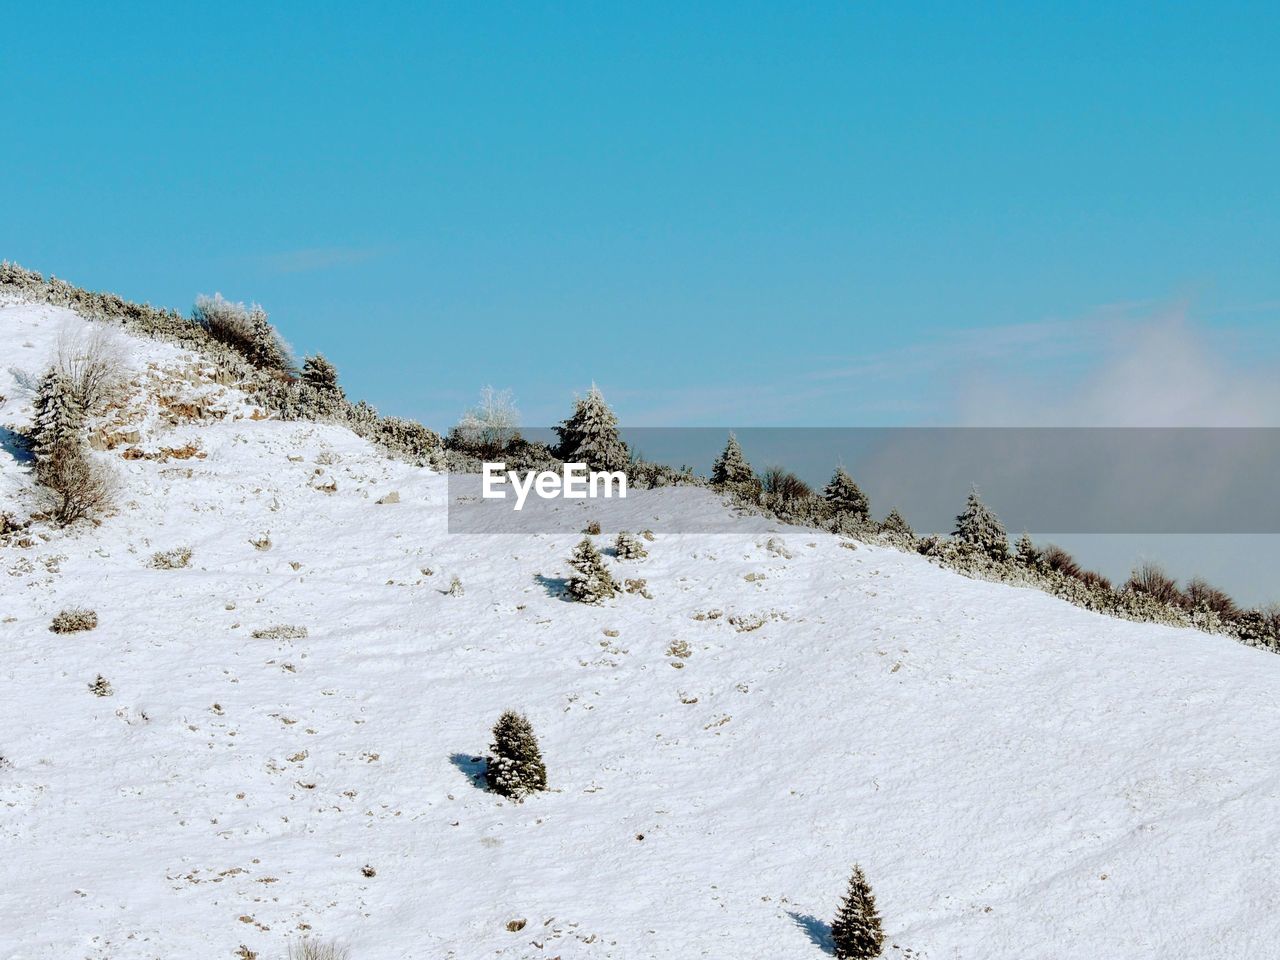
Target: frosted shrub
(244, 329)
(515, 767)
(590, 436)
(93, 363)
(591, 581)
(1200, 595)
(895, 528)
(785, 485)
(856, 932)
(487, 428)
(281, 631)
(627, 546)
(321, 375)
(174, 559)
(978, 528)
(74, 620)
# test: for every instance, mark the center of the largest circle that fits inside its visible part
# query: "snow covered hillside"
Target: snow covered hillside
(296, 719)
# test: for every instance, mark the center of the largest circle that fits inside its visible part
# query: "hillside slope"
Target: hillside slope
(1018, 777)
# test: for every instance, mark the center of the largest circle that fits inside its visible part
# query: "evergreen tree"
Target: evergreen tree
(515, 768)
(58, 416)
(845, 496)
(980, 529)
(591, 581)
(856, 928)
(1027, 552)
(319, 373)
(731, 466)
(590, 436)
(628, 547)
(895, 525)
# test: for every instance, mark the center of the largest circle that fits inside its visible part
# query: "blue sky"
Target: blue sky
(820, 214)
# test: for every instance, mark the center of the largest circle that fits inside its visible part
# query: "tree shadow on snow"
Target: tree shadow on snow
(16, 445)
(473, 767)
(555, 586)
(818, 931)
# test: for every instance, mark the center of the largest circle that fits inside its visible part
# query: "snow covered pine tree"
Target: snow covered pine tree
(515, 768)
(731, 466)
(591, 581)
(980, 529)
(856, 931)
(590, 436)
(845, 496)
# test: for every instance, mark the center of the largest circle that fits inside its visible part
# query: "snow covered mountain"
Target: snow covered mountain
(287, 737)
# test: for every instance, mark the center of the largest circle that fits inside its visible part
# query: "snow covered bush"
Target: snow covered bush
(627, 546)
(592, 528)
(281, 631)
(856, 932)
(515, 766)
(978, 528)
(74, 620)
(591, 581)
(731, 467)
(487, 428)
(174, 559)
(590, 436)
(92, 361)
(845, 496)
(1201, 595)
(244, 329)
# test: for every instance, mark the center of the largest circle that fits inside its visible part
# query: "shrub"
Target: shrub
(784, 485)
(845, 496)
(281, 631)
(591, 581)
(628, 547)
(1094, 580)
(1150, 580)
(487, 428)
(978, 528)
(93, 363)
(1054, 558)
(174, 559)
(590, 436)
(101, 687)
(731, 466)
(74, 620)
(244, 329)
(515, 767)
(1200, 595)
(856, 932)
(309, 948)
(1026, 552)
(79, 486)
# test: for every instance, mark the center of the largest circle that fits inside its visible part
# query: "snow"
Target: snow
(1018, 777)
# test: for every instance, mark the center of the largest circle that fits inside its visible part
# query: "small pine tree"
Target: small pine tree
(515, 767)
(58, 416)
(319, 373)
(856, 929)
(895, 525)
(845, 496)
(731, 466)
(591, 581)
(590, 436)
(979, 528)
(1027, 552)
(627, 546)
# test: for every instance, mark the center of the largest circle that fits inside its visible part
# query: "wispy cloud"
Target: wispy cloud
(318, 258)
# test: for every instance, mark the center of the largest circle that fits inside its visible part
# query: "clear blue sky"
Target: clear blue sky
(722, 213)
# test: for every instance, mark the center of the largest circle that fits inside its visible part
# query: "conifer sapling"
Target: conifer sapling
(731, 466)
(515, 767)
(590, 436)
(591, 581)
(856, 929)
(845, 496)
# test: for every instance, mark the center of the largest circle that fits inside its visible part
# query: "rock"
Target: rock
(392, 497)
